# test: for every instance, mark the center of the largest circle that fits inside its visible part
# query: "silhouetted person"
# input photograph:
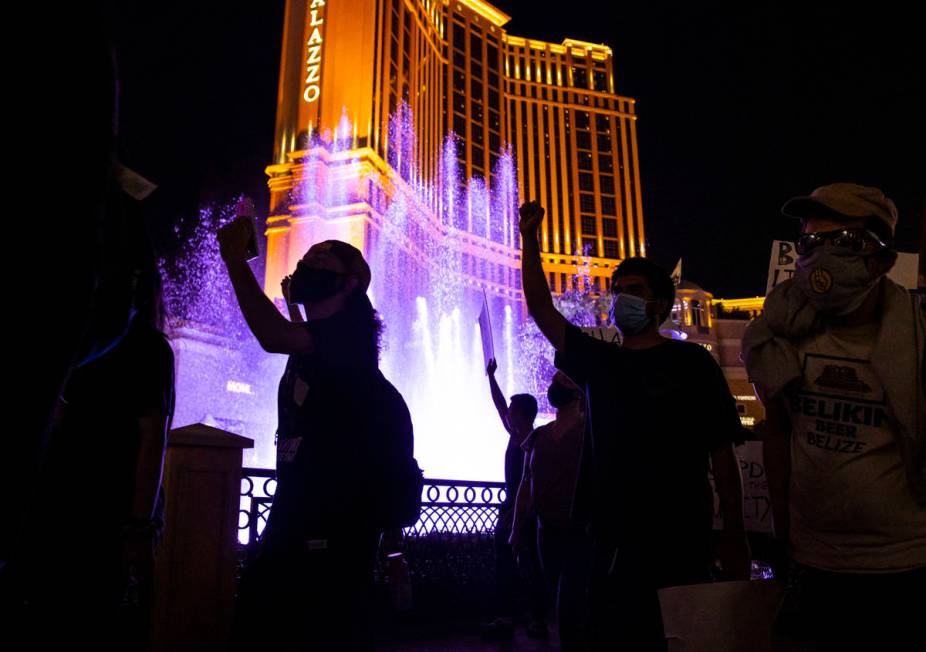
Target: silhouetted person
(518, 421)
(659, 411)
(100, 507)
(343, 431)
(547, 489)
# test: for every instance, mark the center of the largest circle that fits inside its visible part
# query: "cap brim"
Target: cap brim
(801, 208)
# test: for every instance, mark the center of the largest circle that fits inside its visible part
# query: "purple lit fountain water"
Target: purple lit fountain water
(433, 248)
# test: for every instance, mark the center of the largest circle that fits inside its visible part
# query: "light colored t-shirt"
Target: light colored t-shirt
(851, 507)
(553, 466)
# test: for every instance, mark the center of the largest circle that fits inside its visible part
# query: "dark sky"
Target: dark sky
(739, 109)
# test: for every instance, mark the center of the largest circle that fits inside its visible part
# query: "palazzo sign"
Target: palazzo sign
(314, 57)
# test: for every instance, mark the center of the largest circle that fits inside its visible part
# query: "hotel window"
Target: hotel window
(459, 100)
(610, 248)
(605, 164)
(475, 46)
(492, 55)
(585, 160)
(478, 156)
(475, 69)
(609, 228)
(477, 136)
(459, 37)
(602, 123)
(459, 59)
(476, 109)
(607, 184)
(493, 80)
(583, 120)
(589, 247)
(586, 181)
(579, 77)
(494, 102)
(607, 206)
(587, 202)
(475, 89)
(600, 81)
(697, 314)
(494, 119)
(589, 227)
(510, 65)
(460, 144)
(604, 143)
(583, 140)
(495, 143)
(459, 125)
(459, 80)
(543, 72)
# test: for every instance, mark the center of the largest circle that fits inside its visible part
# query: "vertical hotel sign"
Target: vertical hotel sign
(314, 42)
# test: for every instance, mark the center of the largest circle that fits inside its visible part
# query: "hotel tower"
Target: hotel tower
(380, 98)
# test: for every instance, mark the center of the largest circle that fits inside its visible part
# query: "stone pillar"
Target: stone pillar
(196, 562)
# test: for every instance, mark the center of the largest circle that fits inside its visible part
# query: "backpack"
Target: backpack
(399, 480)
(399, 501)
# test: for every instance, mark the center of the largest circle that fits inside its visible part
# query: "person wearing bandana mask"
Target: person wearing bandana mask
(837, 358)
(343, 429)
(659, 412)
(551, 467)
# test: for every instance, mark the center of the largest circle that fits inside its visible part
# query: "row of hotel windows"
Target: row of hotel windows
(556, 73)
(490, 63)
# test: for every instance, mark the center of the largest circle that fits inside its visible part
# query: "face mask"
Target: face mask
(628, 313)
(835, 280)
(310, 285)
(560, 396)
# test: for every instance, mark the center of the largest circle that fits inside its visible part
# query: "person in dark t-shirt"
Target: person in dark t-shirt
(90, 563)
(343, 428)
(658, 411)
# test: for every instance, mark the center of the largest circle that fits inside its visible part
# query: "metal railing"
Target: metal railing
(447, 506)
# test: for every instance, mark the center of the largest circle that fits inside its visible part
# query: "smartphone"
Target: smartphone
(245, 208)
(252, 252)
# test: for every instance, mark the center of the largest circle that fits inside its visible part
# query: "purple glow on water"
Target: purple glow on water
(419, 251)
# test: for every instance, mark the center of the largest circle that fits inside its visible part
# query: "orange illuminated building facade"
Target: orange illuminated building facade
(348, 66)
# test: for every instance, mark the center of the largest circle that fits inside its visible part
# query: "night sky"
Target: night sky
(739, 110)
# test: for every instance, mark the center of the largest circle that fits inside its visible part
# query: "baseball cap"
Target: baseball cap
(846, 201)
(352, 259)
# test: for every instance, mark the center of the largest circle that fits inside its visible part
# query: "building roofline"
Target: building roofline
(490, 12)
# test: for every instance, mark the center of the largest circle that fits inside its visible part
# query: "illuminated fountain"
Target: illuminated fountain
(430, 269)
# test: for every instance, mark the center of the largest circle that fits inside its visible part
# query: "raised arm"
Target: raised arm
(497, 397)
(273, 331)
(536, 291)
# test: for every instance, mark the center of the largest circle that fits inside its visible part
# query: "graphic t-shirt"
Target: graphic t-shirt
(851, 509)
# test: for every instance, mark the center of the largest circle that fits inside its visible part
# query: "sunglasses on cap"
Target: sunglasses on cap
(853, 239)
